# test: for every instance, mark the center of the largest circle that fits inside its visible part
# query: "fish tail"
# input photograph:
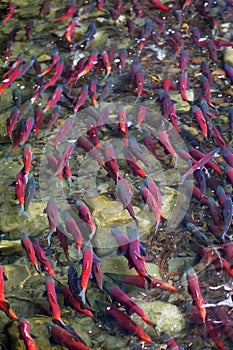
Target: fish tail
(149, 281)
(25, 214)
(49, 238)
(20, 209)
(175, 162)
(37, 268)
(136, 221)
(69, 181)
(82, 295)
(138, 127)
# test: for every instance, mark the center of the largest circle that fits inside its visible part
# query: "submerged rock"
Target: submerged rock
(228, 56)
(166, 317)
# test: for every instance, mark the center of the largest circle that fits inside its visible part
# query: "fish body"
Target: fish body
(197, 154)
(17, 97)
(91, 62)
(171, 343)
(38, 117)
(9, 80)
(20, 185)
(27, 158)
(159, 5)
(81, 99)
(64, 131)
(183, 86)
(199, 165)
(52, 298)
(92, 88)
(150, 200)
(183, 60)
(88, 36)
(165, 141)
(217, 137)
(73, 228)
(55, 59)
(128, 324)
(74, 303)
(139, 81)
(137, 151)
(30, 191)
(27, 128)
(54, 98)
(206, 89)
(227, 215)
(64, 158)
(125, 197)
(197, 112)
(106, 62)
(123, 55)
(63, 337)
(12, 120)
(70, 29)
(58, 69)
(135, 257)
(149, 143)
(52, 215)
(86, 216)
(133, 164)
(111, 161)
(54, 117)
(92, 131)
(27, 244)
(97, 272)
(71, 10)
(153, 188)
(131, 307)
(229, 72)
(122, 240)
(141, 115)
(212, 49)
(17, 62)
(24, 331)
(86, 271)
(195, 292)
(92, 151)
(206, 72)
(46, 265)
(165, 102)
(10, 11)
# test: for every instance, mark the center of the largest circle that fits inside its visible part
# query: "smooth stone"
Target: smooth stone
(166, 317)
(182, 106)
(11, 223)
(228, 56)
(11, 248)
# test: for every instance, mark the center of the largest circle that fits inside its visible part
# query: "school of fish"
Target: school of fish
(173, 47)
